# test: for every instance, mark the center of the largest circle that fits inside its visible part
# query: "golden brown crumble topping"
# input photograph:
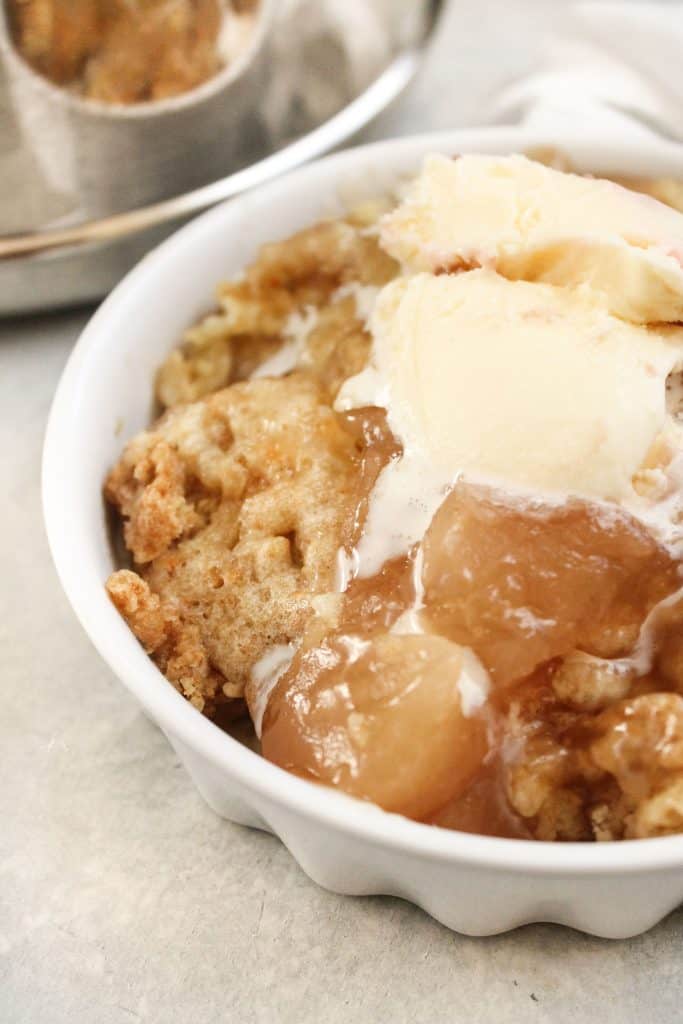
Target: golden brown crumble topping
(118, 51)
(224, 520)
(237, 500)
(288, 278)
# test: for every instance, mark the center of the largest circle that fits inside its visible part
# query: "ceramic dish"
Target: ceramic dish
(93, 187)
(111, 157)
(474, 884)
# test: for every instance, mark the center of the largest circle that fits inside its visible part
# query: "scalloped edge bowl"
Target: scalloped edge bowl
(474, 884)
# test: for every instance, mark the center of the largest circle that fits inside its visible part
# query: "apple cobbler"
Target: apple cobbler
(130, 51)
(413, 504)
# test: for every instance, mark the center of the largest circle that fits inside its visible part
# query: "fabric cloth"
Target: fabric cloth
(618, 64)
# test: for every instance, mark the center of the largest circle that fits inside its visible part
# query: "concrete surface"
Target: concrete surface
(124, 899)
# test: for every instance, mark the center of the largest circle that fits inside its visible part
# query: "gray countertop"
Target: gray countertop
(123, 898)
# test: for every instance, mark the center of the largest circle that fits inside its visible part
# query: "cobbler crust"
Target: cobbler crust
(234, 503)
(226, 522)
(118, 51)
(306, 272)
(577, 775)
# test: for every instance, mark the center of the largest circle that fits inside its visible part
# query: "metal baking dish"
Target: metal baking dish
(88, 189)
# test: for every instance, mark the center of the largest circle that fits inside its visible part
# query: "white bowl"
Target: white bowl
(474, 884)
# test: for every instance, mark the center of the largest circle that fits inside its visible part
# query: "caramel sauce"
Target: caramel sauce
(376, 446)
(379, 719)
(483, 807)
(524, 583)
(377, 711)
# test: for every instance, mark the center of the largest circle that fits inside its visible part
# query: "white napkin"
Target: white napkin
(614, 65)
(324, 52)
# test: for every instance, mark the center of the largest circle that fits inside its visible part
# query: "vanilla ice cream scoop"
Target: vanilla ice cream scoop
(529, 385)
(533, 223)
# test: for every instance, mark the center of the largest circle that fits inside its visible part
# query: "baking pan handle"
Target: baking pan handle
(123, 225)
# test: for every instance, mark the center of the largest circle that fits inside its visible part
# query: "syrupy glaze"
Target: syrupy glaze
(380, 719)
(523, 582)
(483, 807)
(550, 598)
(377, 447)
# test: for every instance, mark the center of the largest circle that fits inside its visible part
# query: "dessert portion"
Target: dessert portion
(438, 343)
(130, 51)
(533, 223)
(415, 505)
(238, 500)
